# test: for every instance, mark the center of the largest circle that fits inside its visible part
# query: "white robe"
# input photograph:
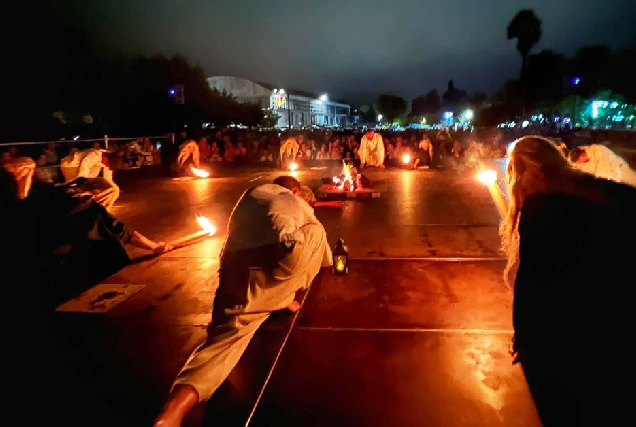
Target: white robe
(265, 215)
(604, 163)
(274, 247)
(371, 151)
(82, 164)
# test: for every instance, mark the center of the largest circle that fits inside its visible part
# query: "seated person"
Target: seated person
(77, 242)
(86, 171)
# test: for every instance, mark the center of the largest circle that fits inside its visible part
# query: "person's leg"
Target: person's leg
(209, 365)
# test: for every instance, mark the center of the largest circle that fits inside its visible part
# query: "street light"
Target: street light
(469, 114)
(324, 98)
(379, 117)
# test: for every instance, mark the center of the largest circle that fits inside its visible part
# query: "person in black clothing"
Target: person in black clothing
(569, 238)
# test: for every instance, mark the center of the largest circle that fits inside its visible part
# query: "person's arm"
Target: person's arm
(139, 240)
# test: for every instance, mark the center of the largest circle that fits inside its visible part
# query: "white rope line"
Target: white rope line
(280, 351)
(402, 330)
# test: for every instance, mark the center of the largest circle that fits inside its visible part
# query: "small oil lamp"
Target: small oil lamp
(340, 258)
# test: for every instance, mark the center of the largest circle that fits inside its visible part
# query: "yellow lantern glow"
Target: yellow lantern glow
(340, 258)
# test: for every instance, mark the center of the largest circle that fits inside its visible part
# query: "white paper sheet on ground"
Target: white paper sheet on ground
(100, 298)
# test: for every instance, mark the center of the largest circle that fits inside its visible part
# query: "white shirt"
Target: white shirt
(604, 163)
(371, 151)
(267, 214)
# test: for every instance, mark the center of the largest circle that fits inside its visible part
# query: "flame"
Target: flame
(345, 177)
(206, 225)
(201, 173)
(406, 159)
(488, 177)
(293, 167)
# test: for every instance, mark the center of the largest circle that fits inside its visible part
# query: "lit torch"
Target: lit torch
(207, 230)
(489, 178)
(201, 173)
(406, 159)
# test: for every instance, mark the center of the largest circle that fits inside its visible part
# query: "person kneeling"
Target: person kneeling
(275, 246)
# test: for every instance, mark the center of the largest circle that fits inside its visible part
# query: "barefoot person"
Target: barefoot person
(371, 150)
(275, 246)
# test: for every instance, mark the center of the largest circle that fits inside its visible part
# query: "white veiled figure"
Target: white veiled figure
(289, 149)
(371, 150)
(22, 169)
(88, 164)
(189, 149)
(604, 163)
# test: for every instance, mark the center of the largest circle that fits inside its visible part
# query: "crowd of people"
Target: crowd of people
(567, 232)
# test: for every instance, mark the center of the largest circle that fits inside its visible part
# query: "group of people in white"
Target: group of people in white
(276, 246)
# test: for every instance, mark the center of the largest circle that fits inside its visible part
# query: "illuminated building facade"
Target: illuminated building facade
(298, 108)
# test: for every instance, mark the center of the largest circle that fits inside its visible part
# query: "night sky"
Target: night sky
(352, 49)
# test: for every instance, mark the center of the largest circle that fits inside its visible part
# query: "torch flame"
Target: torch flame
(406, 158)
(206, 225)
(201, 173)
(488, 177)
(293, 167)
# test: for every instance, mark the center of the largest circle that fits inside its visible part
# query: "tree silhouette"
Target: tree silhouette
(453, 96)
(391, 107)
(526, 28)
(426, 104)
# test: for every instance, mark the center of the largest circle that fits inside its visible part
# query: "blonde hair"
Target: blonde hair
(535, 165)
(307, 195)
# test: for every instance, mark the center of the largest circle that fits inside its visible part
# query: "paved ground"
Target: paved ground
(417, 334)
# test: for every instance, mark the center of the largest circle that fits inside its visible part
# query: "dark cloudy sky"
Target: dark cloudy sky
(351, 48)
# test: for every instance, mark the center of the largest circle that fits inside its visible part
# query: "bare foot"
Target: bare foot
(294, 306)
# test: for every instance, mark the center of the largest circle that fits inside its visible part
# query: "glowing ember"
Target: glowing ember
(293, 167)
(488, 177)
(406, 159)
(206, 225)
(201, 173)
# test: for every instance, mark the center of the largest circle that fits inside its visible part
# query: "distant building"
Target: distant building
(298, 108)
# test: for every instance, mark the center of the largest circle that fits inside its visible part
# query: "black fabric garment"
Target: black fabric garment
(570, 309)
(77, 242)
(43, 383)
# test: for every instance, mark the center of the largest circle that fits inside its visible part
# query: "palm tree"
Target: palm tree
(526, 28)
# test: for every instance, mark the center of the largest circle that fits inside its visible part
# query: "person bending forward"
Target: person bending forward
(275, 246)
